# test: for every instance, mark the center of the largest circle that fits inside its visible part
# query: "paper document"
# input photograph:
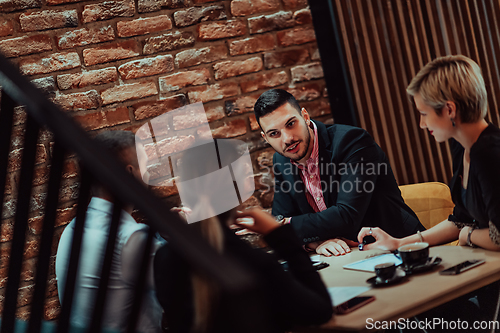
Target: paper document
(368, 265)
(340, 295)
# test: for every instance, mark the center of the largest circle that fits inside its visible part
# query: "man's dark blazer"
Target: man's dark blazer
(358, 185)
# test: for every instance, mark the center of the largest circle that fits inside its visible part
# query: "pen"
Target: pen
(361, 245)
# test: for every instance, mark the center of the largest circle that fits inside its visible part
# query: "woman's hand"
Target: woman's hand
(383, 241)
(182, 211)
(462, 237)
(336, 247)
(256, 220)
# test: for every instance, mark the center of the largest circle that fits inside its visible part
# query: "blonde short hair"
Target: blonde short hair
(453, 78)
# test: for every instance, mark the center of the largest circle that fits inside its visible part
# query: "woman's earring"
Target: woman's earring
(452, 122)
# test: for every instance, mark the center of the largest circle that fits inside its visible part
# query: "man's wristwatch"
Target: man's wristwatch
(469, 243)
(281, 219)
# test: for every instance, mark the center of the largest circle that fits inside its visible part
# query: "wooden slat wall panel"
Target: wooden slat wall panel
(386, 42)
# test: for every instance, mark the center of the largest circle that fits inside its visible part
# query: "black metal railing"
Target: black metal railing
(97, 165)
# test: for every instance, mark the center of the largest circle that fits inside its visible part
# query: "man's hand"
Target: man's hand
(383, 241)
(336, 247)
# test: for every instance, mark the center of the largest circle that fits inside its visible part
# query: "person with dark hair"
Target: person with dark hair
(281, 299)
(329, 181)
(128, 251)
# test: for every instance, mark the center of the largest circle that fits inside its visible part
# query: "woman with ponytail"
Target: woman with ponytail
(194, 304)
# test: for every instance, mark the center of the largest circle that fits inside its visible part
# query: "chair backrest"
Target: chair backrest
(430, 201)
(97, 164)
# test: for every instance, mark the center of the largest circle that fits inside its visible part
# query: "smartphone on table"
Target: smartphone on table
(353, 304)
(462, 267)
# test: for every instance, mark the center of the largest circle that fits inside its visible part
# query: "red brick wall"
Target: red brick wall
(116, 64)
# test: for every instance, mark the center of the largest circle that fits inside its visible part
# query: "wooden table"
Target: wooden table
(417, 294)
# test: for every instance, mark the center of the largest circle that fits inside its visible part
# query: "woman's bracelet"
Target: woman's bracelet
(469, 243)
(420, 236)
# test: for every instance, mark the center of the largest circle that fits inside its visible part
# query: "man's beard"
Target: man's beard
(307, 143)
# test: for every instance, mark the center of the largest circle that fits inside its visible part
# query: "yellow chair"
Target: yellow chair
(430, 201)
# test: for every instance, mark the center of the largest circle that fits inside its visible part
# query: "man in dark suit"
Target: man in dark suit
(329, 181)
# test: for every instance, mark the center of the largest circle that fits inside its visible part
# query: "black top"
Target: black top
(282, 298)
(359, 189)
(482, 198)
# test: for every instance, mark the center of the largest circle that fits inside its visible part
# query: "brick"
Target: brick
(213, 92)
(147, 6)
(110, 52)
(145, 110)
(84, 79)
(85, 36)
(48, 19)
(59, 2)
(194, 15)
(169, 146)
(249, 7)
(307, 72)
(68, 192)
(266, 199)
(302, 16)
(315, 54)
(70, 169)
(276, 21)
(317, 108)
(286, 58)
(16, 155)
(296, 36)
(252, 44)
(46, 84)
(225, 69)
(143, 26)
(6, 234)
(7, 6)
(41, 176)
(218, 30)
(156, 171)
(263, 81)
(289, 4)
(204, 55)
(8, 186)
(214, 113)
(127, 92)
(168, 42)
(265, 159)
(50, 63)
(6, 27)
(263, 181)
(165, 188)
(183, 79)
(240, 105)
(230, 129)
(146, 67)
(107, 10)
(188, 120)
(20, 46)
(79, 101)
(254, 125)
(307, 92)
(51, 309)
(104, 118)
(65, 215)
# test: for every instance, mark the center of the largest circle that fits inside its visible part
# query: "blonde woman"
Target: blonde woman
(192, 303)
(450, 96)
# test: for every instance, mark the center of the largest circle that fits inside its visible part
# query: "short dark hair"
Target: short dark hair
(117, 142)
(271, 100)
